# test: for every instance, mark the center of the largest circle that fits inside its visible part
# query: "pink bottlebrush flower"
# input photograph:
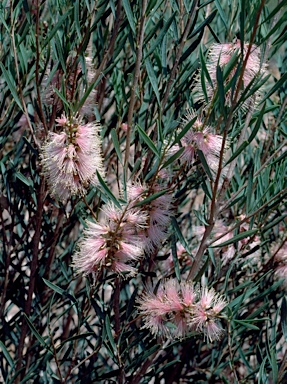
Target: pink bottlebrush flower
(62, 121)
(72, 158)
(221, 54)
(213, 330)
(281, 263)
(112, 244)
(177, 308)
(158, 211)
(124, 127)
(188, 293)
(200, 137)
(206, 312)
(163, 312)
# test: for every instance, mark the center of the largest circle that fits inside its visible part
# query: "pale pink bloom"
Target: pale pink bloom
(189, 295)
(176, 308)
(207, 298)
(206, 312)
(213, 330)
(62, 121)
(281, 263)
(200, 137)
(72, 158)
(158, 210)
(163, 312)
(221, 54)
(112, 244)
(172, 291)
(124, 127)
(136, 192)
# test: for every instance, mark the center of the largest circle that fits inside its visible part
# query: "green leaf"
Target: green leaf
(160, 37)
(278, 84)
(54, 287)
(24, 179)
(148, 141)
(204, 164)
(180, 236)
(109, 333)
(284, 317)
(76, 337)
(237, 152)
(62, 97)
(173, 158)
(221, 13)
(6, 354)
(240, 236)
(175, 258)
(57, 26)
(116, 144)
(130, 16)
(152, 78)
(200, 217)
(206, 21)
(151, 198)
(11, 86)
(184, 131)
(87, 93)
(258, 124)
(221, 92)
(246, 324)
(35, 332)
(108, 191)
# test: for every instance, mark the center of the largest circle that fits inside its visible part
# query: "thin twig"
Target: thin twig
(139, 54)
(33, 274)
(215, 198)
(179, 53)
(42, 116)
(19, 79)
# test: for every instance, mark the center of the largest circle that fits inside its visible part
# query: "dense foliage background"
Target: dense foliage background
(133, 66)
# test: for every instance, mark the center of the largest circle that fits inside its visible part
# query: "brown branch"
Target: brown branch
(215, 198)
(33, 275)
(179, 53)
(42, 116)
(139, 53)
(19, 79)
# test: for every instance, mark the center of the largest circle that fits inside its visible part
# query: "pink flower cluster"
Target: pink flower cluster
(158, 211)
(281, 264)
(200, 137)
(222, 54)
(178, 308)
(113, 243)
(71, 158)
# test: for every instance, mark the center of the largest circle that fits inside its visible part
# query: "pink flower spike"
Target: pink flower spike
(213, 330)
(71, 159)
(62, 121)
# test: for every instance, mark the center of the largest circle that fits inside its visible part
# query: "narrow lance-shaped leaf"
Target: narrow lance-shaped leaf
(147, 140)
(11, 86)
(175, 258)
(116, 144)
(108, 191)
(130, 16)
(152, 78)
(236, 238)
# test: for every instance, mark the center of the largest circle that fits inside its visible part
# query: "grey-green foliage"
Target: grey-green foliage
(58, 327)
